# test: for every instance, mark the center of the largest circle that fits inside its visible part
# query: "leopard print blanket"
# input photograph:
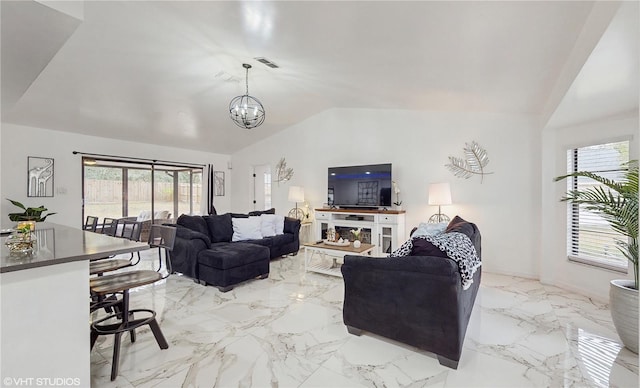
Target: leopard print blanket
(457, 246)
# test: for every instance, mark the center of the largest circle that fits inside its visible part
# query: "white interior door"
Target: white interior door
(262, 187)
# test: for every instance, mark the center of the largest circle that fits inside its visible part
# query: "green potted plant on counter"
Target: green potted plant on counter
(29, 213)
(617, 203)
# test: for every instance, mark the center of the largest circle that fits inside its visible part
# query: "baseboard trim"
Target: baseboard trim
(565, 286)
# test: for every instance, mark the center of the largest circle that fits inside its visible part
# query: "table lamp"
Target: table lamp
(439, 194)
(296, 194)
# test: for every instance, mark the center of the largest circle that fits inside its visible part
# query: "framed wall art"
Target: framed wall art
(39, 177)
(218, 180)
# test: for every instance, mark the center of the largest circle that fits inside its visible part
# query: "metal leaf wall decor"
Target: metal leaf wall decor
(283, 172)
(474, 162)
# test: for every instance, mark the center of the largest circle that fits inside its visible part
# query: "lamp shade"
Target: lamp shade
(296, 194)
(439, 194)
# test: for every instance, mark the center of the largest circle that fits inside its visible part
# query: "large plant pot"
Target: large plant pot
(623, 300)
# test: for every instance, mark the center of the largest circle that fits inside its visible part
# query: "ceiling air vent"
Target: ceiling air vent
(267, 62)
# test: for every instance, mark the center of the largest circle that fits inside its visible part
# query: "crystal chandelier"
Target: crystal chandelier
(246, 111)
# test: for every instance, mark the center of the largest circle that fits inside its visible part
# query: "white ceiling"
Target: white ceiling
(608, 83)
(164, 72)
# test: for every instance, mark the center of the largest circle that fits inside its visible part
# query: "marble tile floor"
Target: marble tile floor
(287, 331)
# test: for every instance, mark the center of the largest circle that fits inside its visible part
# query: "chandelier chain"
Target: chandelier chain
(246, 81)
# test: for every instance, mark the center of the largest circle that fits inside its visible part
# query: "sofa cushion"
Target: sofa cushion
(265, 242)
(161, 215)
(282, 239)
(220, 227)
(231, 255)
(279, 223)
(196, 223)
(459, 225)
(422, 247)
(261, 212)
(246, 228)
(144, 215)
(268, 224)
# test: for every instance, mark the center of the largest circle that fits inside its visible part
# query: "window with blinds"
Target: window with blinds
(590, 239)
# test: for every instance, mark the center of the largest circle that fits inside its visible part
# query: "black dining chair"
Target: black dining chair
(110, 226)
(90, 224)
(163, 237)
(130, 230)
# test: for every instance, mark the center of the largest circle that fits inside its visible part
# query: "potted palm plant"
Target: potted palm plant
(617, 203)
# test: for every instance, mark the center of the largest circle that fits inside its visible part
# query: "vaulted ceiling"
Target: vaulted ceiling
(164, 72)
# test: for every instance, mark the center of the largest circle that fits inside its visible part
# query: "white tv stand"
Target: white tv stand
(384, 228)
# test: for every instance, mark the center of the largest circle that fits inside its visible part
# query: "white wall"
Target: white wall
(19, 142)
(506, 207)
(555, 268)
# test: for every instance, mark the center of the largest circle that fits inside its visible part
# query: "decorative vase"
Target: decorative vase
(398, 207)
(623, 302)
(356, 244)
(30, 224)
(20, 244)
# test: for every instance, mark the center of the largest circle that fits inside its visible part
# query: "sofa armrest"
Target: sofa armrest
(292, 225)
(188, 234)
(187, 247)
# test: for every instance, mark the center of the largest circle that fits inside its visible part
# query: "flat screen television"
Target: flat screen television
(360, 187)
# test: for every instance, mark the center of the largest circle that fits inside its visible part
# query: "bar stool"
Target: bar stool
(163, 237)
(124, 317)
(101, 266)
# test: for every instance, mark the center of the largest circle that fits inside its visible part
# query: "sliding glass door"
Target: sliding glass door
(138, 191)
(189, 192)
(116, 189)
(103, 195)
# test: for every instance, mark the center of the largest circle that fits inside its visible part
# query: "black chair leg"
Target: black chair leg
(132, 333)
(116, 356)
(159, 259)
(155, 328)
(94, 338)
(118, 336)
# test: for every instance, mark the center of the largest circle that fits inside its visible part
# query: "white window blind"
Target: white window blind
(590, 239)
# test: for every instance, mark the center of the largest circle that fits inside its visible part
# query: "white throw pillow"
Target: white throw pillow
(246, 228)
(268, 226)
(426, 229)
(145, 215)
(161, 215)
(279, 223)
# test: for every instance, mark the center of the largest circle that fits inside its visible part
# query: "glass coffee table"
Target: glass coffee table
(323, 250)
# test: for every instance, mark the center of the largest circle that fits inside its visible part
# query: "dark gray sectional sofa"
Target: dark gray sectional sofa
(204, 251)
